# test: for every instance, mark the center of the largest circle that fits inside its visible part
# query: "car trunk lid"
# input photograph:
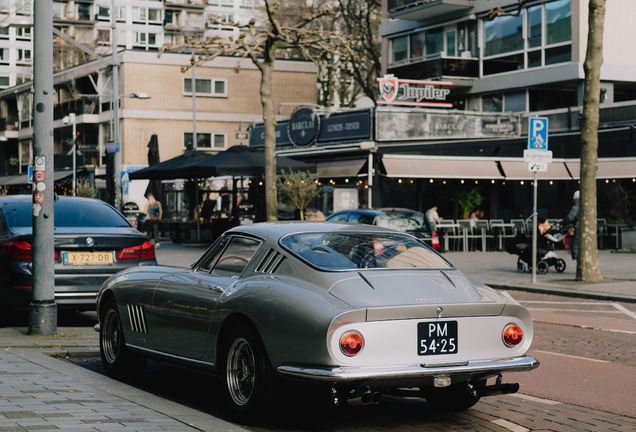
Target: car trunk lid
(414, 294)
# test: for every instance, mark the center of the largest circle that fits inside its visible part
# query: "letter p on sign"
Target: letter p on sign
(538, 133)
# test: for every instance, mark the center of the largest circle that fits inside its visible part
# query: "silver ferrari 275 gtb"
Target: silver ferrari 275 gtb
(361, 310)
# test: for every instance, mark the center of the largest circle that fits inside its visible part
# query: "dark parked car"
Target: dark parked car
(93, 241)
(399, 219)
(356, 310)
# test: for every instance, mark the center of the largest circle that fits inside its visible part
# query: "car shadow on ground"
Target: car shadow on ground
(301, 408)
(65, 318)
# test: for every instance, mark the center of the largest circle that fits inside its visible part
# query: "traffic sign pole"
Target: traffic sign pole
(534, 232)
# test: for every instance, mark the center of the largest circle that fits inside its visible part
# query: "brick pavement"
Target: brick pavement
(38, 392)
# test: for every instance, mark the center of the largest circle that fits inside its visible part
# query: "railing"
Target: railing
(396, 5)
(438, 67)
(76, 106)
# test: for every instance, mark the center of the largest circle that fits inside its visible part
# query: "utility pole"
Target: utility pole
(43, 309)
(115, 80)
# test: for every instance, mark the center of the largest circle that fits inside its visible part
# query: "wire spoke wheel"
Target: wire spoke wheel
(241, 371)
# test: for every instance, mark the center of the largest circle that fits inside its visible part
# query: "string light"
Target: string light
(346, 180)
(444, 182)
(551, 182)
(462, 182)
(492, 181)
(521, 181)
(606, 181)
(411, 181)
(400, 181)
(431, 180)
(476, 181)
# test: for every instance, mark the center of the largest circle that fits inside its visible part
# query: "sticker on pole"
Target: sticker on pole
(39, 163)
(538, 133)
(38, 198)
(39, 176)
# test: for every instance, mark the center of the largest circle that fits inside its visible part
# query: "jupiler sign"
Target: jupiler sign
(395, 91)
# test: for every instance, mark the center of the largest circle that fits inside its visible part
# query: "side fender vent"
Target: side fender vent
(271, 262)
(137, 318)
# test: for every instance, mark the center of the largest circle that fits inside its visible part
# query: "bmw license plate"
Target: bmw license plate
(435, 338)
(87, 258)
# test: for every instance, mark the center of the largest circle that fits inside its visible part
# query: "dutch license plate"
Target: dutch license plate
(87, 258)
(435, 338)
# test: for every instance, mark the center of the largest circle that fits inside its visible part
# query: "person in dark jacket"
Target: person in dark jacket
(572, 218)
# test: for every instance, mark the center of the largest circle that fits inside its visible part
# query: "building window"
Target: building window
(399, 49)
(84, 12)
(206, 140)
(23, 33)
(548, 99)
(23, 56)
(103, 13)
(216, 87)
(504, 102)
(417, 45)
(4, 56)
(227, 3)
(4, 32)
(4, 81)
(503, 35)
(434, 41)
(103, 36)
(194, 19)
(548, 38)
(247, 3)
(154, 16)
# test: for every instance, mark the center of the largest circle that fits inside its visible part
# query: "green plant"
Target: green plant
(84, 189)
(300, 188)
(469, 200)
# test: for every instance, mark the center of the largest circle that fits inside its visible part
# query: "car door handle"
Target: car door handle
(217, 289)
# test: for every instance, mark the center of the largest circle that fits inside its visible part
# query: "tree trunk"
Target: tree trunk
(269, 119)
(587, 268)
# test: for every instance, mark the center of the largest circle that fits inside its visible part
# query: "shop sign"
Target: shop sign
(394, 91)
(338, 127)
(303, 126)
(348, 127)
(407, 125)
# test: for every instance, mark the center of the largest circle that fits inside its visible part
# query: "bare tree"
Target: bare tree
(587, 267)
(262, 46)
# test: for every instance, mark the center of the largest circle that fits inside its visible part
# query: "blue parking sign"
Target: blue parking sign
(538, 133)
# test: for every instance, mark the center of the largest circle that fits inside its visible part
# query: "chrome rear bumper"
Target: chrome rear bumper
(409, 372)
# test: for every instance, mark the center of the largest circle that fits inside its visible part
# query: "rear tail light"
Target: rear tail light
(143, 251)
(435, 241)
(512, 335)
(21, 250)
(351, 343)
(18, 250)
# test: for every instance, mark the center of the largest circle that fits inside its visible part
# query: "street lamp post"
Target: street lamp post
(189, 30)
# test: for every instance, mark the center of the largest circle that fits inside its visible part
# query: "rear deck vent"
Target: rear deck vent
(270, 262)
(137, 318)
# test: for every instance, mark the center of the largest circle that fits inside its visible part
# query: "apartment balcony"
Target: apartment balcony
(426, 9)
(68, 18)
(186, 4)
(461, 71)
(76, 106)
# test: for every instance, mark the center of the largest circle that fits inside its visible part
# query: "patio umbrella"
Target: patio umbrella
(166, 170)
(237, 161)
(154, 186)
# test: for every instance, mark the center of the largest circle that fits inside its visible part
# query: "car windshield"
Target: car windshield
(348, 251)
(401, 221)
(68, 213)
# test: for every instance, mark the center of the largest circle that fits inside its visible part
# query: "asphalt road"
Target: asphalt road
(586, 382)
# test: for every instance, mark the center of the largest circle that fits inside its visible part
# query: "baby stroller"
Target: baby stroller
(546, 257)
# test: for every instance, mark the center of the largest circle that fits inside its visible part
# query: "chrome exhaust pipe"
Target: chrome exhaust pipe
(366, 398)
(498, 389)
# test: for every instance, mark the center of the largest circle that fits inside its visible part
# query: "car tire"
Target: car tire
(119, 361)
(248, 379)
(456, 397)
(542, 267)
(560, 265)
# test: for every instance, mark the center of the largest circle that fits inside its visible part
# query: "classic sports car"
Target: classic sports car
(358, 309)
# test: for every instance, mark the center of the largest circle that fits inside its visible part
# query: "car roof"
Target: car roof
(276, 230)
(376, 212)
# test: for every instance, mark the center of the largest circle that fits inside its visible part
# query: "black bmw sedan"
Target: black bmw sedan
(93, 241)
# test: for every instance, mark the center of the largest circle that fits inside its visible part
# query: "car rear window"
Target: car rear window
(405, 222)
(349, 251)
(68, 213)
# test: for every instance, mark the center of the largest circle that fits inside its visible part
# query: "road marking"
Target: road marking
(573, 310)
(536, 399)
(510, 425)
(571, 356)
(624, 310)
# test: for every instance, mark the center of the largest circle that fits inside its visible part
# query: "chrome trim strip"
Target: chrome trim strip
(172, 356)
(79, 294)
(348, 374)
